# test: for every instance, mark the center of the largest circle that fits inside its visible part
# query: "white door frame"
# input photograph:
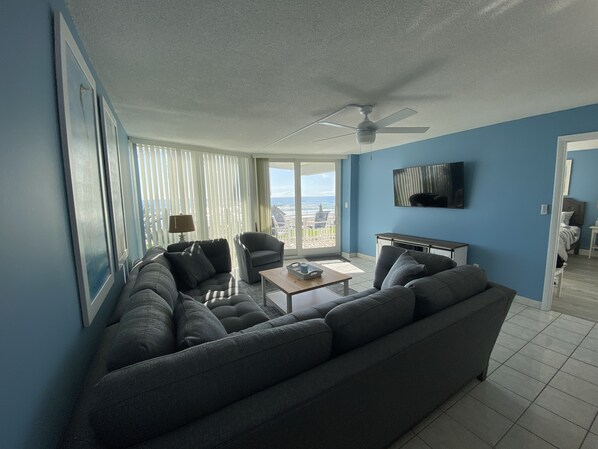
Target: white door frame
(557, 204)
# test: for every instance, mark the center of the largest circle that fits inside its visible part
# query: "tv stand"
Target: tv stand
(455, 250)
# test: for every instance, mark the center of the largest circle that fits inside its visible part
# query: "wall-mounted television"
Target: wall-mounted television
(439, 185)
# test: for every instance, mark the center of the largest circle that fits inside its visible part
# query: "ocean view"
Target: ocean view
(309, 204)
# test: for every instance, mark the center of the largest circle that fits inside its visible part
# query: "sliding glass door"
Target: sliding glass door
(304, 203)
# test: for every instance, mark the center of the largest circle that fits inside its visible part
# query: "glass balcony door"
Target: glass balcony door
(304, 202)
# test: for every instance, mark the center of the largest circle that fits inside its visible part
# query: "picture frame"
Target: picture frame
(114, 180)
(83, 172)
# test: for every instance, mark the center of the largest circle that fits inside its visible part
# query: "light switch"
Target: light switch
(544, 209)
(346, 205)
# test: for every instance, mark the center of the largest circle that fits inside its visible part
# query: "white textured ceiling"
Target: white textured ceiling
(238, 75)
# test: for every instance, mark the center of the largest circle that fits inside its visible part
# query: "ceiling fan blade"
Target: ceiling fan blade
(335, 137)
(393, 118)
(404, 130)
(338, 125)
(309, 125)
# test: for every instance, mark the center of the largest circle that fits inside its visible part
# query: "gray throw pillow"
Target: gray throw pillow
(403, 271)
(191, 267)
(195, 324)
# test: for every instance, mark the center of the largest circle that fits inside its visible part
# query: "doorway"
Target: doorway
(578, 292)
(304, 200)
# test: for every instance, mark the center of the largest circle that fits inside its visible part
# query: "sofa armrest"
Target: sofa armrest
(243, 253)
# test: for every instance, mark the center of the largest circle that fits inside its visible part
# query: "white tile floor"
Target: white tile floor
(541, 391)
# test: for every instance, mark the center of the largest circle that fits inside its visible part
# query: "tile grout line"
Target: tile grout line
(547, 384)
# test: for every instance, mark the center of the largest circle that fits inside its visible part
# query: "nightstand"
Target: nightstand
(593, 245)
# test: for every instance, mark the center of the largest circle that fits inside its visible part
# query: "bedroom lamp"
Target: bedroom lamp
(181, 223)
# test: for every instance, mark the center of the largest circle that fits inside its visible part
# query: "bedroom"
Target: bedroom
(578, 294)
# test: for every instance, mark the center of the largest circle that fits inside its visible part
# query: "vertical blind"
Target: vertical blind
(213, 188)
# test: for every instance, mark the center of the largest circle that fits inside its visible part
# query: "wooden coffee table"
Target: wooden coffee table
(291, 285)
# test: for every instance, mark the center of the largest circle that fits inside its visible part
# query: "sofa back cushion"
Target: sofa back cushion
(148, 399)
(434, 263)
(435, 293)
(358, 322)
(404, 270)
(217, 251)
(159, 279)
(146, 330)
(195, 323)
(154, 255)
(191, 266)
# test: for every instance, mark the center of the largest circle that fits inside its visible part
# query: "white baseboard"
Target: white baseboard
(365, 256)
(348, 255)
(528, 302)
(584, 252)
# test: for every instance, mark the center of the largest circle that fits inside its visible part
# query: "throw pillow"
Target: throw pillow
(191, 267)
(403, 271)
(195, 324)
(566, 217)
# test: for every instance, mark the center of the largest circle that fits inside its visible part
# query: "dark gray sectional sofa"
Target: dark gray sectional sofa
(354, 373)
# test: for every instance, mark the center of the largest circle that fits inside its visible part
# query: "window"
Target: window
(213, 188)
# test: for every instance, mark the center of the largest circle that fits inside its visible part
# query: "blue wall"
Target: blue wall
(349, 188)
(509, 173)
(44, 348)
(584, 187)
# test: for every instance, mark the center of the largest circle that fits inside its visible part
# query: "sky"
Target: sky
(282, 183)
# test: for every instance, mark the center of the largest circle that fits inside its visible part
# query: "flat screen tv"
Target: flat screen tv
(439, 185)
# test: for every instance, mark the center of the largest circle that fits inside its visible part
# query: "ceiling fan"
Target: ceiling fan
(366, 130)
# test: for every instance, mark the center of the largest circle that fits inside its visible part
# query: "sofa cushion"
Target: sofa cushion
(195, 324)
(217, 251)
(403, 271)
(151, 398)
(264, 257)
(191, 266)
(358, 322)
(221, 285)
(236, 312)
(309, 313)
(435, 293)
(155, 255)
(389, 254)
(145, 331)
(159, 279)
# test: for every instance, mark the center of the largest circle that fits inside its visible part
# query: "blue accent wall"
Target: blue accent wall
(509, 173)
(584, 187)
(44, 347)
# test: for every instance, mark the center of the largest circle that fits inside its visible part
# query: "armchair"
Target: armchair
(257, 251)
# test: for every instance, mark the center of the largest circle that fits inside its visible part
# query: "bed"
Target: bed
(570, 229)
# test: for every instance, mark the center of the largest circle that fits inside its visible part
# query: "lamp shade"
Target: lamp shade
(181, 223)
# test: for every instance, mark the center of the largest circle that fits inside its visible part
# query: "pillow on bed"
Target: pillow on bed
(566, 217)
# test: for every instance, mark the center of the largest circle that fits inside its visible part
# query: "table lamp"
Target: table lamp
(181, 223)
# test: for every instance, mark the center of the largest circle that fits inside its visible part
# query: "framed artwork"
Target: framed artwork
(112, 159)
(83, 172)
(568, 163)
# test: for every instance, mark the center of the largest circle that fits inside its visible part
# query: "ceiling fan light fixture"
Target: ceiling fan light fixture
(366, 136)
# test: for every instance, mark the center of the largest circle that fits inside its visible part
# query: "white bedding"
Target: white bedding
(568, 235)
